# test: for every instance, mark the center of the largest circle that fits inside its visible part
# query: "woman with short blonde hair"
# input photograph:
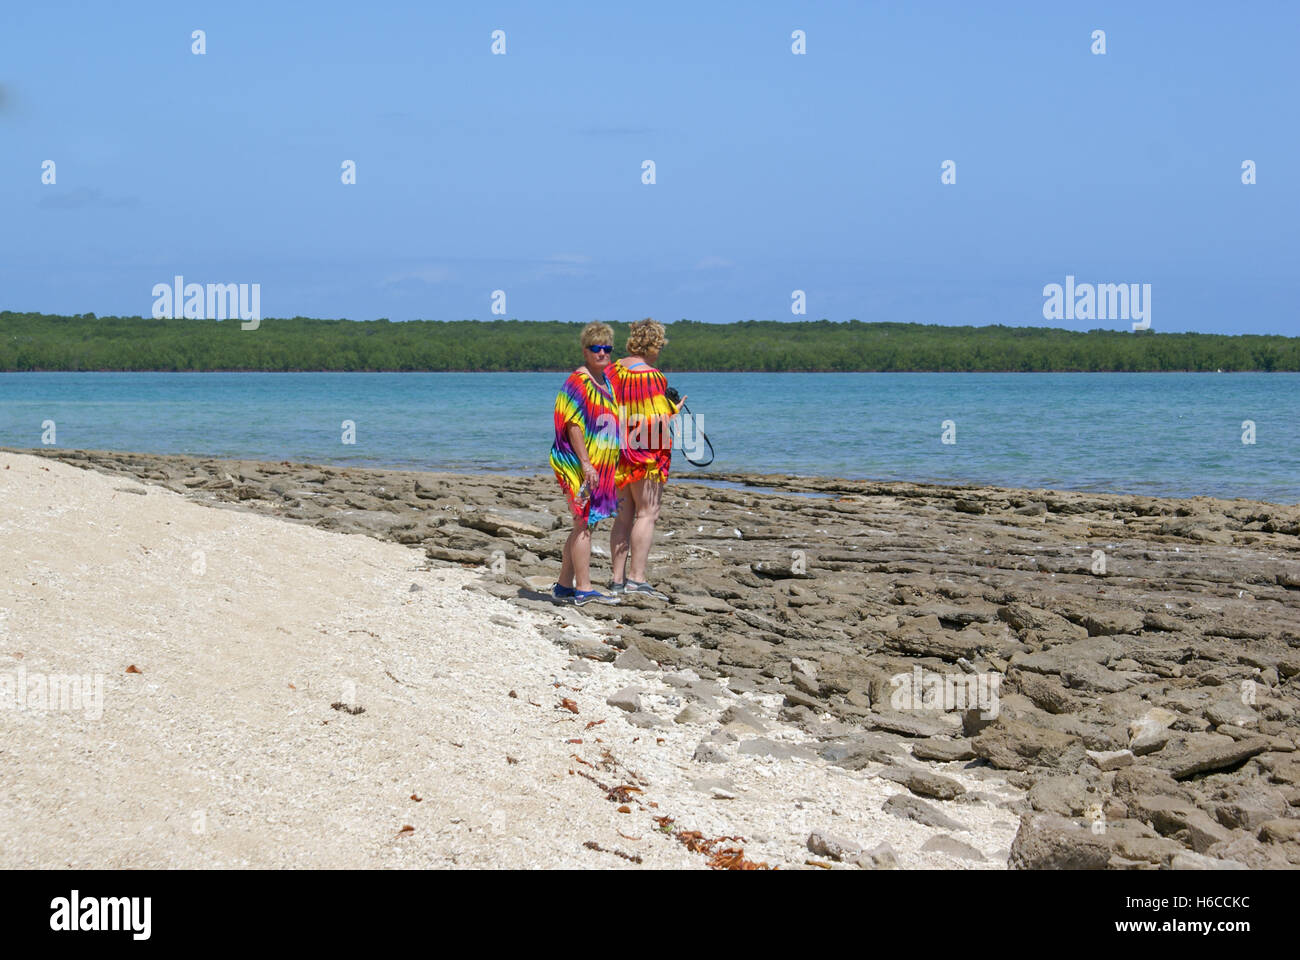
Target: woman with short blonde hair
(584, 457)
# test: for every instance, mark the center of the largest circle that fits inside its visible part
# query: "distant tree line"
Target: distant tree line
(32, 341)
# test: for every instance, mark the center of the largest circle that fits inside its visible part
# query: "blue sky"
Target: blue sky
(775, 172)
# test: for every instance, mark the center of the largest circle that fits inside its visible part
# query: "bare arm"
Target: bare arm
(578, 441)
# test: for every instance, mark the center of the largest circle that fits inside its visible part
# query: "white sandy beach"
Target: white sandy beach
(224, 749)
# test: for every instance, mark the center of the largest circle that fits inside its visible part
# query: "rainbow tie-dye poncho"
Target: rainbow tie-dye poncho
(646, 414)
(592, 407)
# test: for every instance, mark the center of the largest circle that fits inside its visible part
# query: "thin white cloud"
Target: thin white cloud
(82, 198)
(432, 274)
(562, 265)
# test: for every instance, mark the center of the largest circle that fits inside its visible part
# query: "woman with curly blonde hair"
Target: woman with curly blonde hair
(645, 454)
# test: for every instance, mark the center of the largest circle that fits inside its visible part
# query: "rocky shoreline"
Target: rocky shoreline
(1142, 652)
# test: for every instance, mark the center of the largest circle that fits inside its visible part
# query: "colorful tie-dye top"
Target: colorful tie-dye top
(593, 407)
(645, 415)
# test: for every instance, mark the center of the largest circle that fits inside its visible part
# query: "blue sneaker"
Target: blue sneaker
(587, 596)
(563, 594)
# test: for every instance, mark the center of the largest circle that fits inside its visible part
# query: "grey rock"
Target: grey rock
(1241, 733)
(739, 683)
(1134, 781)
(952, 847)
(1171, 815)
(926, 784)
(1280, 831)
(1248, 813)
(1111, 622)
(1148, 743)
(744, 651)
(804, 666)
(705, 691)
(795, 699)
(1022, 616)
(1249, 851)
(1045, 692)
(763, 747)
(879, 857)
(691, 714)
(719, 735)
(581, 646)
(1111, 759)
(805, 683)
(910, 808)
(711, 784)
(943, 750)
(629, 699)
(1231, 712)
(906, 724)
(736, 716)
(645, 720)
(1094, 678)
(1187, 763)
(1066, 656)
(1046, 841)
(1149, 732)
(834, 848)
(1155, 850)
(974, 722)
(1064, 795)
(708, 753)
(861, 749)
(506, 522)
(1196, 861)
(634, 659)
(668, 628)
(1014, 745)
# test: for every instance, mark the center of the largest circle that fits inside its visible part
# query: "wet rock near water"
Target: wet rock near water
(1141, 654)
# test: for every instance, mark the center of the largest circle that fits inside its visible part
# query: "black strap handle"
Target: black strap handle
(705, 437)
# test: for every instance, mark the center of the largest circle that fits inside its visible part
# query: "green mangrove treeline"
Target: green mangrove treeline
(30, 341)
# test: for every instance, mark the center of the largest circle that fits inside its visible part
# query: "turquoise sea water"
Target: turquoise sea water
(1161, 433)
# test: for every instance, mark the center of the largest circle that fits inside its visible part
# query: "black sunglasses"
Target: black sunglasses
(605, 348)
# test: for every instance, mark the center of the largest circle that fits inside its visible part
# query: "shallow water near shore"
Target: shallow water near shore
(1160, 434)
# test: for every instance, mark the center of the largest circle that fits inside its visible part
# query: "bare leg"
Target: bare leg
(575, 567)
(646, 494)
(566, 563)
(620, 537)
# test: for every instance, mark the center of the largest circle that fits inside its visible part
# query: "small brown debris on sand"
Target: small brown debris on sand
(593, 845)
